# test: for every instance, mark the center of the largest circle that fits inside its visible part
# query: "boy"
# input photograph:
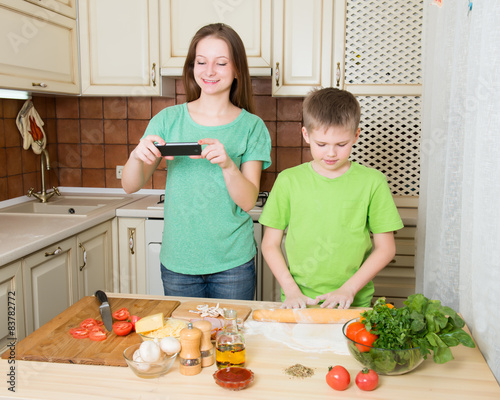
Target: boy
(329, 206)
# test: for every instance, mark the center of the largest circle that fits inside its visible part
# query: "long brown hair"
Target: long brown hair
(241, 89)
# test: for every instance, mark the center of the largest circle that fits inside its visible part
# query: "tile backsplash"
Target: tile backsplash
(87, 137)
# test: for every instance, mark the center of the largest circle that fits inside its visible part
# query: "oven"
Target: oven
(154, 234)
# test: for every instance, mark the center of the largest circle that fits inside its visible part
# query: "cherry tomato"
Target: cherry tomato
(352, 328)
(363, 337)
(79, 333)
(122, 328)
(367, 379)
(338, 377)
(97, 335)
(88, 323)
(121, 315)
(96, 328)
(133, 320)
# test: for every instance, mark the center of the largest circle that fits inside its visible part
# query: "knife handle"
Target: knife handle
(101, 296)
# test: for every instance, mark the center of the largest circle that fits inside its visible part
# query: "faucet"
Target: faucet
(44, 196)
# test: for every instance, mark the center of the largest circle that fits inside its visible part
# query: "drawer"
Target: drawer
(402, 261)
(393, 287)
(396, 272)
(408, 232)
(405, 247)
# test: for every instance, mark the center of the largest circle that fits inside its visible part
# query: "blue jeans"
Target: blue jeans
(236, 283)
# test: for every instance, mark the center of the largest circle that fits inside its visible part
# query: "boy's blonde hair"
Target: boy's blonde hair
(331, 107)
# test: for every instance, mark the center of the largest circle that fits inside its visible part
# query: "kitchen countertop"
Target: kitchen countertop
(466, 377)
(22, 234)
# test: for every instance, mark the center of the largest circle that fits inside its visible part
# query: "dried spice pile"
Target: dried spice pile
(299, 371)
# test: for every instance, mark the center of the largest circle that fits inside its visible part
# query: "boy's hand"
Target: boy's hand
(299, 301)
(341, 297)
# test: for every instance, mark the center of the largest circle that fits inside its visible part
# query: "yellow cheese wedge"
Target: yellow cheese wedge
(149, 323)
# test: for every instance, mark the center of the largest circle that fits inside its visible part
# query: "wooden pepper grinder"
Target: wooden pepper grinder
(190, 355)
(207, 348)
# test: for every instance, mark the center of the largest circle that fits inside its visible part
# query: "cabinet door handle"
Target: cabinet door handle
(277, 74)
(338, 74)
(84, 256)
(131, 241)
(41, 84)
(153, 74)
(53, 253)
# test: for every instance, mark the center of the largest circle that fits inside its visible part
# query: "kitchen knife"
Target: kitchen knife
(105, 310)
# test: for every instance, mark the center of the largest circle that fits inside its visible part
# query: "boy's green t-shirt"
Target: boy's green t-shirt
(329, 223)
(205, 231)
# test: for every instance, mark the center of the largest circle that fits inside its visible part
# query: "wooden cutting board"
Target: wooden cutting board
(183, 310)
(53, 343)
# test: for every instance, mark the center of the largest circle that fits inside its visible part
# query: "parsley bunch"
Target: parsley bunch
(421, 323)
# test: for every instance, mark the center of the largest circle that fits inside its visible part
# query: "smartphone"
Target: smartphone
(180, 149)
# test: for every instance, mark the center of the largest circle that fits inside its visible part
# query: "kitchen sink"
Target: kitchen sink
(75, 206)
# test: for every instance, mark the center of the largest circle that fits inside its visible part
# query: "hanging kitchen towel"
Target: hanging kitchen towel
(30, 126)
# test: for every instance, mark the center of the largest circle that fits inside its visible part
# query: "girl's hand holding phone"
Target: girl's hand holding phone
(146, 150)
(215, 152)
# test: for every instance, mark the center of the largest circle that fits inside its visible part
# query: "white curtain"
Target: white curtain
(458, 239)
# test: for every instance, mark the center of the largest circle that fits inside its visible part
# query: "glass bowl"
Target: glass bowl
(233, 378)
(172, 327)
(145, 369)
(383, 361)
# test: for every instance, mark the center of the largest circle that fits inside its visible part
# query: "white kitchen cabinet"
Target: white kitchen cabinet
(61, 274)
(64, 7)
(119, 47)
(271, 289)
(251, 19)
(50, 283)
(132, 255)
(39, 49)
(11, 305)
(306, 35)
(94, 260)
(383, 48)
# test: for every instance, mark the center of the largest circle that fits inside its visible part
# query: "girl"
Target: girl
(208, 246)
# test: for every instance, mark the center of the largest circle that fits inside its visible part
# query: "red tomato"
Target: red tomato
(121, 315)
(338, 377)
(367, 379)
(133, 320)
(352, 328)
(97, 335)
(79, 333)
(88, 323)
(364, 338)
(122, 328)
(96, 328)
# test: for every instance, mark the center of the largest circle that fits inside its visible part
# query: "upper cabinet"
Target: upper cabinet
(307, 34)
(119, 47)
(63, 7)
(383, 48)
(39, 49)
(180, 19)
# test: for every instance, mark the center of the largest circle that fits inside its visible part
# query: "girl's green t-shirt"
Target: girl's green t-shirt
(329, 223)
(205, 231)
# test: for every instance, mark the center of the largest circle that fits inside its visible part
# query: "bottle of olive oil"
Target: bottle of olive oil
(230, 344)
